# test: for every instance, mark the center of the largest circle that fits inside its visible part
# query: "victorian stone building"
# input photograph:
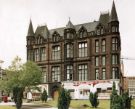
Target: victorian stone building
(83, 54)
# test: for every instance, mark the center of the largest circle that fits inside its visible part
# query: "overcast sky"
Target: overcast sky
(15, 16)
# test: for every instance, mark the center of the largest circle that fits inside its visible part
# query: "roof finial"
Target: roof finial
(69, 18)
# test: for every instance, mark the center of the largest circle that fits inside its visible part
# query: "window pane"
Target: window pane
(115, 73)
(103, 60)
(83, 49)
(37, 58)
(97, 74)
(43, 54)
(56, 52)
(96, 46)
(103, 73)
(103, 45)
(97, 61)
(44, 75)
(69, 72)
(69, 50)
(114, 59)
(83, 72)
(114, 44)
(55, 73)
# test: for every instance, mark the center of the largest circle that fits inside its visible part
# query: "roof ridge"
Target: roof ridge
(74, 25)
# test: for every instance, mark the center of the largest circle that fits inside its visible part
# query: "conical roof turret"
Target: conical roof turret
(70, 25)
(30, 29)
(113, 16)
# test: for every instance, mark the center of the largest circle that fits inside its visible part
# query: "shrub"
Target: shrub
(63, 99)
(93, 98)
(44, 96)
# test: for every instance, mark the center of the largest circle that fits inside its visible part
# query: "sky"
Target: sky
(15, 16)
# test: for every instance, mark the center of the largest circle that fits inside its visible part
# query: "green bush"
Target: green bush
(93, 98)
(63, 99)
(44, 96)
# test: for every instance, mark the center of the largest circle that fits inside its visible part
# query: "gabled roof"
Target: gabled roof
(30, 29)
(113, 16)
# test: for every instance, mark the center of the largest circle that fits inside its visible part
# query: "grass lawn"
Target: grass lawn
(75, 104)
(7, 107)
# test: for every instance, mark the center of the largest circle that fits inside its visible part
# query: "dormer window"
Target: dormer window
(98, 31)
(41, 40)
(69, 35)
(56, 36)
(28, 42)
(102, 31)
(82, 32)
(114, 29)
(117, 30)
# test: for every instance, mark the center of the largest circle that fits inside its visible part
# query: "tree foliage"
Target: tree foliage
(119, 101)
(126, 100)
(115, 99)
(64, 99)
(93, 98)
(20, 76)
(44, 96)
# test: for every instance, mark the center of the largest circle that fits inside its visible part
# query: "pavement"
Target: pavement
(30, 105)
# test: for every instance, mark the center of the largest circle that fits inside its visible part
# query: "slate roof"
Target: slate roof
(104, 19)
(43, 30)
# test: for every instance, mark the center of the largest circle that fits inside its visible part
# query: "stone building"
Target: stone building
(83, 57)
(131, 86)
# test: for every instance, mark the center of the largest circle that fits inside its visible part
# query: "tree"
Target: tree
(20, 76)
(64, 99)
(115, 99)
(93, 98)
(44, 96)
(126, 100)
